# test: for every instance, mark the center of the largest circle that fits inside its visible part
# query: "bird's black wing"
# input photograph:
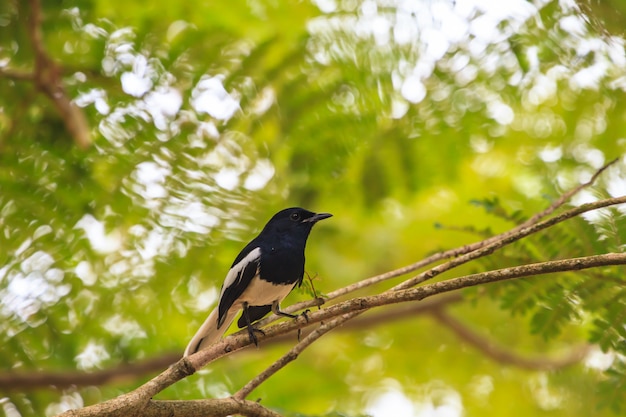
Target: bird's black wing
(244, 269)
(254, 313)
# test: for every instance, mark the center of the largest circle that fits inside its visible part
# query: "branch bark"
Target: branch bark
(194, 408)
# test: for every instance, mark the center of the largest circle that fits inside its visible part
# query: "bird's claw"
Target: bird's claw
(305, 314)
(253, 338)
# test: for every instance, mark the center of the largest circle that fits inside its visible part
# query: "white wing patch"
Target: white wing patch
(236, 271)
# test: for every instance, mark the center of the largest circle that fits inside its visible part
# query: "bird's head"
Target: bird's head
(294, 220)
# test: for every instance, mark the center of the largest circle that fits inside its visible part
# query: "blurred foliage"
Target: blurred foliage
(421, 125)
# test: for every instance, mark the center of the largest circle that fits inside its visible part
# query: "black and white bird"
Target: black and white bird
(261, 276)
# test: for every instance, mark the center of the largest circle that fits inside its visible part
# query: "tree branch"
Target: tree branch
(24, 381)
(510, 238)
(463, 250)
(46, 76)
(32, 380)
(213, 407)
(357, 306)
(293, 353)
(136, 401)
(240, 339)
(193, 408)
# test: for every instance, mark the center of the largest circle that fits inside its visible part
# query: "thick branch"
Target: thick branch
(214, 408)
(193, 408)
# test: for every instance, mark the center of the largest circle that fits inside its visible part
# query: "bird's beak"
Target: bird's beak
(316, 218)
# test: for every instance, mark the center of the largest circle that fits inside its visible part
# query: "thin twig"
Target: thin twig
(565, 197)
(293, 353)
(510, 238)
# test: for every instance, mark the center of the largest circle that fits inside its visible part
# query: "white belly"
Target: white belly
(262, 293)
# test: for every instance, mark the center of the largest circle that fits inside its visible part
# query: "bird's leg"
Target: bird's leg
(250, 327)
(276, 310)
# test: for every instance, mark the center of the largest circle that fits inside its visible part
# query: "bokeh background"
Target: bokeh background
(421, 125)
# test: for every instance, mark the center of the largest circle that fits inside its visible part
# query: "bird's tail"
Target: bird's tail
(209, 333)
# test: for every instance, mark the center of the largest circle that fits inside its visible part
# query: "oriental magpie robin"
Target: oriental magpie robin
(261, 276)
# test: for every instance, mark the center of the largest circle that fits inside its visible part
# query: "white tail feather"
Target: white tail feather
(208, 333)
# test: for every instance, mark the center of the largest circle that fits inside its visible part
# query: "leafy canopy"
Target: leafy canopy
(421, 126)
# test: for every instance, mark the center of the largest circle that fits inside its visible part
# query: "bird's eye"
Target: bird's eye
(295, 216)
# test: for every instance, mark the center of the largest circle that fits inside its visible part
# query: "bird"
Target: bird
(261, 276)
